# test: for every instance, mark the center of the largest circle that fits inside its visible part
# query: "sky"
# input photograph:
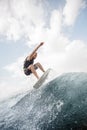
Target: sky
(60, 24)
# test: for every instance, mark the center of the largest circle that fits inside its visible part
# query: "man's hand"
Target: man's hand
(41, 43)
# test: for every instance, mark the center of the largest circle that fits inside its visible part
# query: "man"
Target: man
(29, 66)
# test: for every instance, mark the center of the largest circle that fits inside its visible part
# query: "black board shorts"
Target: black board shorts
(28, 72)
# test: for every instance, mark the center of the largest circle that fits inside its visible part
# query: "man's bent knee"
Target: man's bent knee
(37, 64)
(31, 66)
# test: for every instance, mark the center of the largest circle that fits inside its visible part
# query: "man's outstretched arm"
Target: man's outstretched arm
(36, 49)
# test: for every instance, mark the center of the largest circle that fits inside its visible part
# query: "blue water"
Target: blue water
(61, 104)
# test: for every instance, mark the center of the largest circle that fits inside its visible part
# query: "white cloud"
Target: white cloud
(19, 18)
(75, 57)
(72, 9)
(16, 68)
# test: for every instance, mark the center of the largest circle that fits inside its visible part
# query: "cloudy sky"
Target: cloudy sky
(61, 24)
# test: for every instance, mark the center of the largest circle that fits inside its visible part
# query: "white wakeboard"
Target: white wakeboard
(42, 79)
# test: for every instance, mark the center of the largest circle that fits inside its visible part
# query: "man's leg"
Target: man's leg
(40, 66)
(31, 67)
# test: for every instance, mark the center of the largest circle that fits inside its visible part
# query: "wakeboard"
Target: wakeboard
(42, 79)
